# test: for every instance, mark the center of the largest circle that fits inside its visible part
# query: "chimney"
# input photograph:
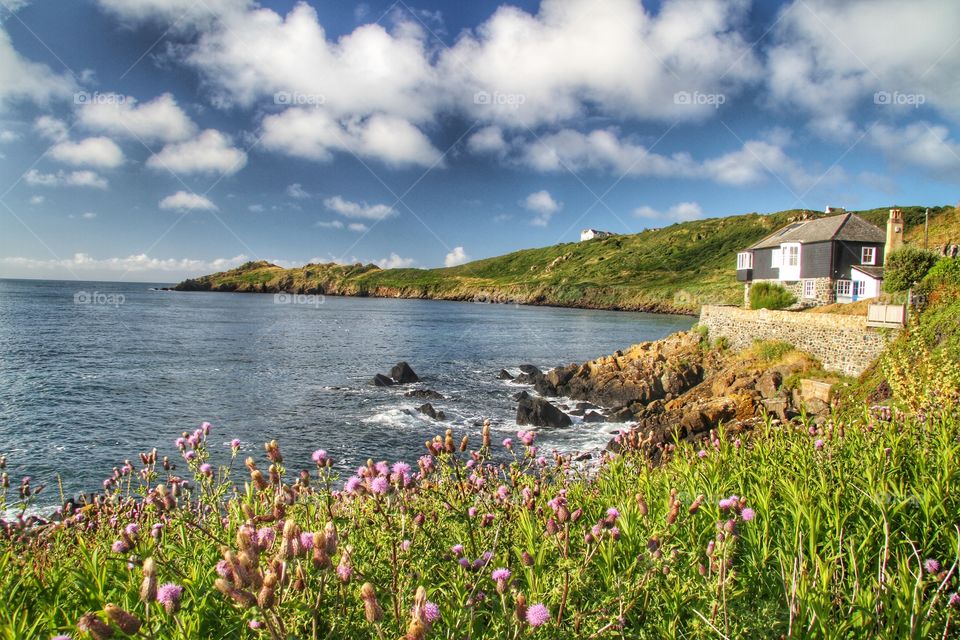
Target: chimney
(894, 233)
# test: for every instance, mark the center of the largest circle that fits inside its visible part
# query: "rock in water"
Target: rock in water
(540, 413)
(428, 410)
(381, 380)
(428, 394)
(504, 375)
(594, 416)
(530, 370)
(403, 374)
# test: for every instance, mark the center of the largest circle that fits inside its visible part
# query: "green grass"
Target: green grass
(675, 268)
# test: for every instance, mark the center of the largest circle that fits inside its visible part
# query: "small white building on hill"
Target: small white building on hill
(590, 234)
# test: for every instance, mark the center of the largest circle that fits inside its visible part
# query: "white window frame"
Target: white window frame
(809, 289)
(859, 289)
(776, 258)
(844, 288)
(744, 260)
(791, 255)
(873, 255)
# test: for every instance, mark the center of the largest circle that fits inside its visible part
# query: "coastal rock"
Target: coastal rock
(769, 383)
(428, 410)
(403, 373)
(426, 394)
(544, 388)
(594, 416)
(381, 380)
(540, 413)
(504, 375)
(530, 370)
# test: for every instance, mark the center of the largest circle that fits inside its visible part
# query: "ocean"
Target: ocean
(92, 373)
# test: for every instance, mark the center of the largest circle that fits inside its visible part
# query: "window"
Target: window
(744, 261)
(809, 288)
(859, 288)
(868, 255)
(791, 255)
(844, 288)
(776, 258)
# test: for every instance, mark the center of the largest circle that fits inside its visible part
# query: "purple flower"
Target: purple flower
(190, 455)
(319, 456)
(352, 485)
(132, 529)
(954, 600)
(818, 444)
(235, 443)
(255, 624)
(382, 468)
(61, 637)
(265, 537)
(527, 437)
(508, 443)
(612, 513)
(180, 443)
(169, 596)
(431, 612)
(501, 574)
(472, 512)
(119, 546)
(503, 492)
(223, 569)
(401, 468)
(405, 545)
(344, 572)
(306, 540)
(457, 550)
(701, 454)
(207, 427)
(379, 485)
(748, 514)
(206, 469)
(537, 615)
(726, 504)
(463, 562)
(931, 565)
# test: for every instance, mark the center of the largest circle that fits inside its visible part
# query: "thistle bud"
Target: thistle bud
(97, 628)
(330, 537)
(127, 622)
(448, 441)
(642, 505)
(416, 631)
(258, 479)
(148, 590)
(371, 608)
(243, 598)
(267, 596)
(520, 609)
(486, 434)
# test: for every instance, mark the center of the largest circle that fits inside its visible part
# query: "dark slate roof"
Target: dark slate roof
(874, 272)
(847, 227)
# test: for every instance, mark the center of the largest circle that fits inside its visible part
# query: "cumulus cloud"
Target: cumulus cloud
(160, 119)
(542, 204)
(51, 128)
(136, 263)
(297, 191)
(488, 140)
(65, 179)
(677, 213)
(22, 79)
(394, 261)
(919, 143)
(315, 135)
(456, 257)
(349, 209)
(97, 152)
(358, 227)
(35, 200)
(330, 224)
(7, 136)
(209, 152)
(176, 14)
(184, 201)
(521, 69)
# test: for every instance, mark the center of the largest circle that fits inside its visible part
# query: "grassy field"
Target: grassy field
(675, 268)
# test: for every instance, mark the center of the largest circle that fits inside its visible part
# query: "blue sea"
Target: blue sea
(92, 373)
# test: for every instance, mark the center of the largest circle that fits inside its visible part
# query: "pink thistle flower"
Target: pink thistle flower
(132, 529)
(748, 514)
(379, 485)
(306, 540)
(503, 492)
(426, 461)
(255, 624)
(382, 468)
(471, 464)
(508, 443)
(465, 563)
(206, 469)
(818, 444)
(180, 443)
(223, 569)
(931, 565)
(120, 546)
(265, 537)
(189, 455)
(727, 503)
(344, 572)
(701, 454)
(352, 485)
(61, 637)
(537, 615)
(615, 533)
(235, 443)
(431, 612)
(169, 596)
(401, 468)
(954, 600)
(527, 437)
(501, 577)
(405, 545)
(319, 456)
(457, 550)
(612, 513)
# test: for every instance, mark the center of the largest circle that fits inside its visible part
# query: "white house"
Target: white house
(590, 234)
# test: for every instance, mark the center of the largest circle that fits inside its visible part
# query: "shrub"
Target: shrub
(905, 267)
(767, 295)
(771, 350)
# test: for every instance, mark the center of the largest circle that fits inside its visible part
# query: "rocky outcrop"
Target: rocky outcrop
(428, 410)
(426, 394)
(403, 373)
(381, 380)
(539, 412)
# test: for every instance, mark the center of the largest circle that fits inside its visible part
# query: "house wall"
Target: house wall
(761, 265)
(815, 260)
(823, 291)
(842, 343)
(871, 285)
(847, 254)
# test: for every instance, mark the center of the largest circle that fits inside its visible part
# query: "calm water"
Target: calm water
(83, 386)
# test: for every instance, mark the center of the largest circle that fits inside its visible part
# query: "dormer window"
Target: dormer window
(868, 255)
(744, 261)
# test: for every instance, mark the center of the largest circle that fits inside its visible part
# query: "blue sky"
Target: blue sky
(152, 140)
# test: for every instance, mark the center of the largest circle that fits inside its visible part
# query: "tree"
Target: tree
(905, 267)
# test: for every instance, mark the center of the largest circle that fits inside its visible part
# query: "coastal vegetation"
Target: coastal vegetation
(769, 295)
(672, 269)
(842, 527)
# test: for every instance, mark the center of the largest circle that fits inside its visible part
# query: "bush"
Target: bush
(905, 267)
(771, 350)
(766, 295)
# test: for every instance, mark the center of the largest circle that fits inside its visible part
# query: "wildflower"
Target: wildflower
(255, 624)
(457, 550)
(120, 546)
(265, 537)
(156, 529)
(503, 492)
(169, 596)
(615, 533)
(189, 455)
(472, 512)
(352, 485)
(431, 612)
(931, 565)
(748, 514)
(206, 469)
(537, 615)
(379, 485)
(132, 529)
(954, 600)
(464, 562)
(401, 469)
(97, 628)
(126, 621)
(306, 541)
(405, 545)
(501, 576)
(371, 608)
(319, 456)
(818, 444)
(235, 444)
(382, 468)
(508, 443)
(61, 637)
(701, 454)
(223, 569)
(527, 437)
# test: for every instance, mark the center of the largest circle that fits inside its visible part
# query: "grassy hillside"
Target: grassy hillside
(675, 268)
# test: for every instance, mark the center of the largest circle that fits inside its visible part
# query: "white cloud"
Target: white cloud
(488, 140)
(89, 215)
(256, 208)
(160, 119)
(330, 224)
(184, 201)
(297, 191)
(35, 200)
(394, 261)
(83, 178)
(179, 14)
(677, 213)
(359, 209)
(315, 135)
(919, 143)
(546, 68)
(7, 136)
(456, 257)
(51, 128)
(140, 264)
(21, 79)
(828, 56)
(94, 152)
(359, 227)
(209, 152)
(543, 204)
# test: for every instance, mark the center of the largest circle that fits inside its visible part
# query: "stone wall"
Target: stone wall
(842, 343)
(824, 292)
